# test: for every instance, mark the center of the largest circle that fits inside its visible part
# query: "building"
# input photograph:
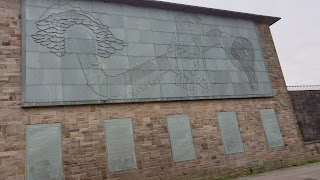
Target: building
(141, 90)
(305, 101)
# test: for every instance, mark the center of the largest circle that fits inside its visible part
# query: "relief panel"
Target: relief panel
(127, 55)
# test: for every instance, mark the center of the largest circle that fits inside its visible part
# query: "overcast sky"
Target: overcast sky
(296, 35)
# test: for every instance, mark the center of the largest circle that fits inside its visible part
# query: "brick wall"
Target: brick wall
(307, 109)
(84, 150)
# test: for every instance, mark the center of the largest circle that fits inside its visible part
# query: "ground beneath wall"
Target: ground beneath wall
(306, 172)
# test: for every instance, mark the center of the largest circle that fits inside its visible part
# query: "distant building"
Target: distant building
(306, 104)
(141, 90)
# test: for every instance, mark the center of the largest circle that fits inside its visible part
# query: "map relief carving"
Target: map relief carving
(73, 31)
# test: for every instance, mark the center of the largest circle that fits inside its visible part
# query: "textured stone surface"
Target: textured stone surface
(83, 138)
(306, 172)
(181, 139)
(307, 109)
(203, 57)
(230, 132)
(44, 152)
(271, 128)
(120, 145)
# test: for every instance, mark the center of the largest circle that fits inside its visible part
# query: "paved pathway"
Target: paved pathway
(306, 172)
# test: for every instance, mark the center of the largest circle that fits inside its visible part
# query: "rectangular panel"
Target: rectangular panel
(43, 152)
(120, 145)
(230, 132)
(271, 128)
(180, 138)
(125, 48)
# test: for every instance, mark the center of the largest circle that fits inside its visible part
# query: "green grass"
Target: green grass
(313, 161)
(249, 171)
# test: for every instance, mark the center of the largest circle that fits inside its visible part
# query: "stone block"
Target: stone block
(210, 20)
(162, 37)
(230, 132)
(120, 145)
(258, 56)
(219, 77)
(243, 23)
(216, 53)
(40, 3)
(32, 46)
(112, 21)
(80, 93)
(134, 11)
(73, 76)
(43, 77)
(265, 89)
(44, 93)
(163, 26)
(118, 33)
(220, 90)
(42, 60)
(248, 33)
(44, 152)
(161, 14)
(239, 77)
(103, 7)
(70, 60)
(31, 28)
(84, 5)
(146, 91)
(137, 23)
(271, 128)
(139, 36)
(229, 22)
(173, 91)
(262, 77)
(243, 89)
(114, 63)
(34, 13)
(139, 49)
(217, 64)
(181, 138)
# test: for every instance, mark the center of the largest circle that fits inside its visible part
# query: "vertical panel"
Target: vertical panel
(271, 128)
(43, 152)
(180, 138)
(120, 145)
(230, 132)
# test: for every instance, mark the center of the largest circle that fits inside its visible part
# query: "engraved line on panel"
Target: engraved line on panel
(74, 31)
(40, 164)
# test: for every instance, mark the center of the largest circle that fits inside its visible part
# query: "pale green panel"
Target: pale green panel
(271, 128)
(120, 145)
(230, 132)
(95, 52)
(43, 152)
(180, 138)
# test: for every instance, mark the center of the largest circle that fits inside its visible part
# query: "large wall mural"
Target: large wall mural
(92, 51)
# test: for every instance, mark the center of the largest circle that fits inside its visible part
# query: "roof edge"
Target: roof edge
(269, 20)
(304, 88)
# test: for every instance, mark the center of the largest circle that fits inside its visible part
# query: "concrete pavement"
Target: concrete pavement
(305, 172)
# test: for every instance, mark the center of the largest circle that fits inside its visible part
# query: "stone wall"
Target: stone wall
(307, 109)
(84, 147)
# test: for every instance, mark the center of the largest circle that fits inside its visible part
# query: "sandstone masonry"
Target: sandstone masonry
(84, 146)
